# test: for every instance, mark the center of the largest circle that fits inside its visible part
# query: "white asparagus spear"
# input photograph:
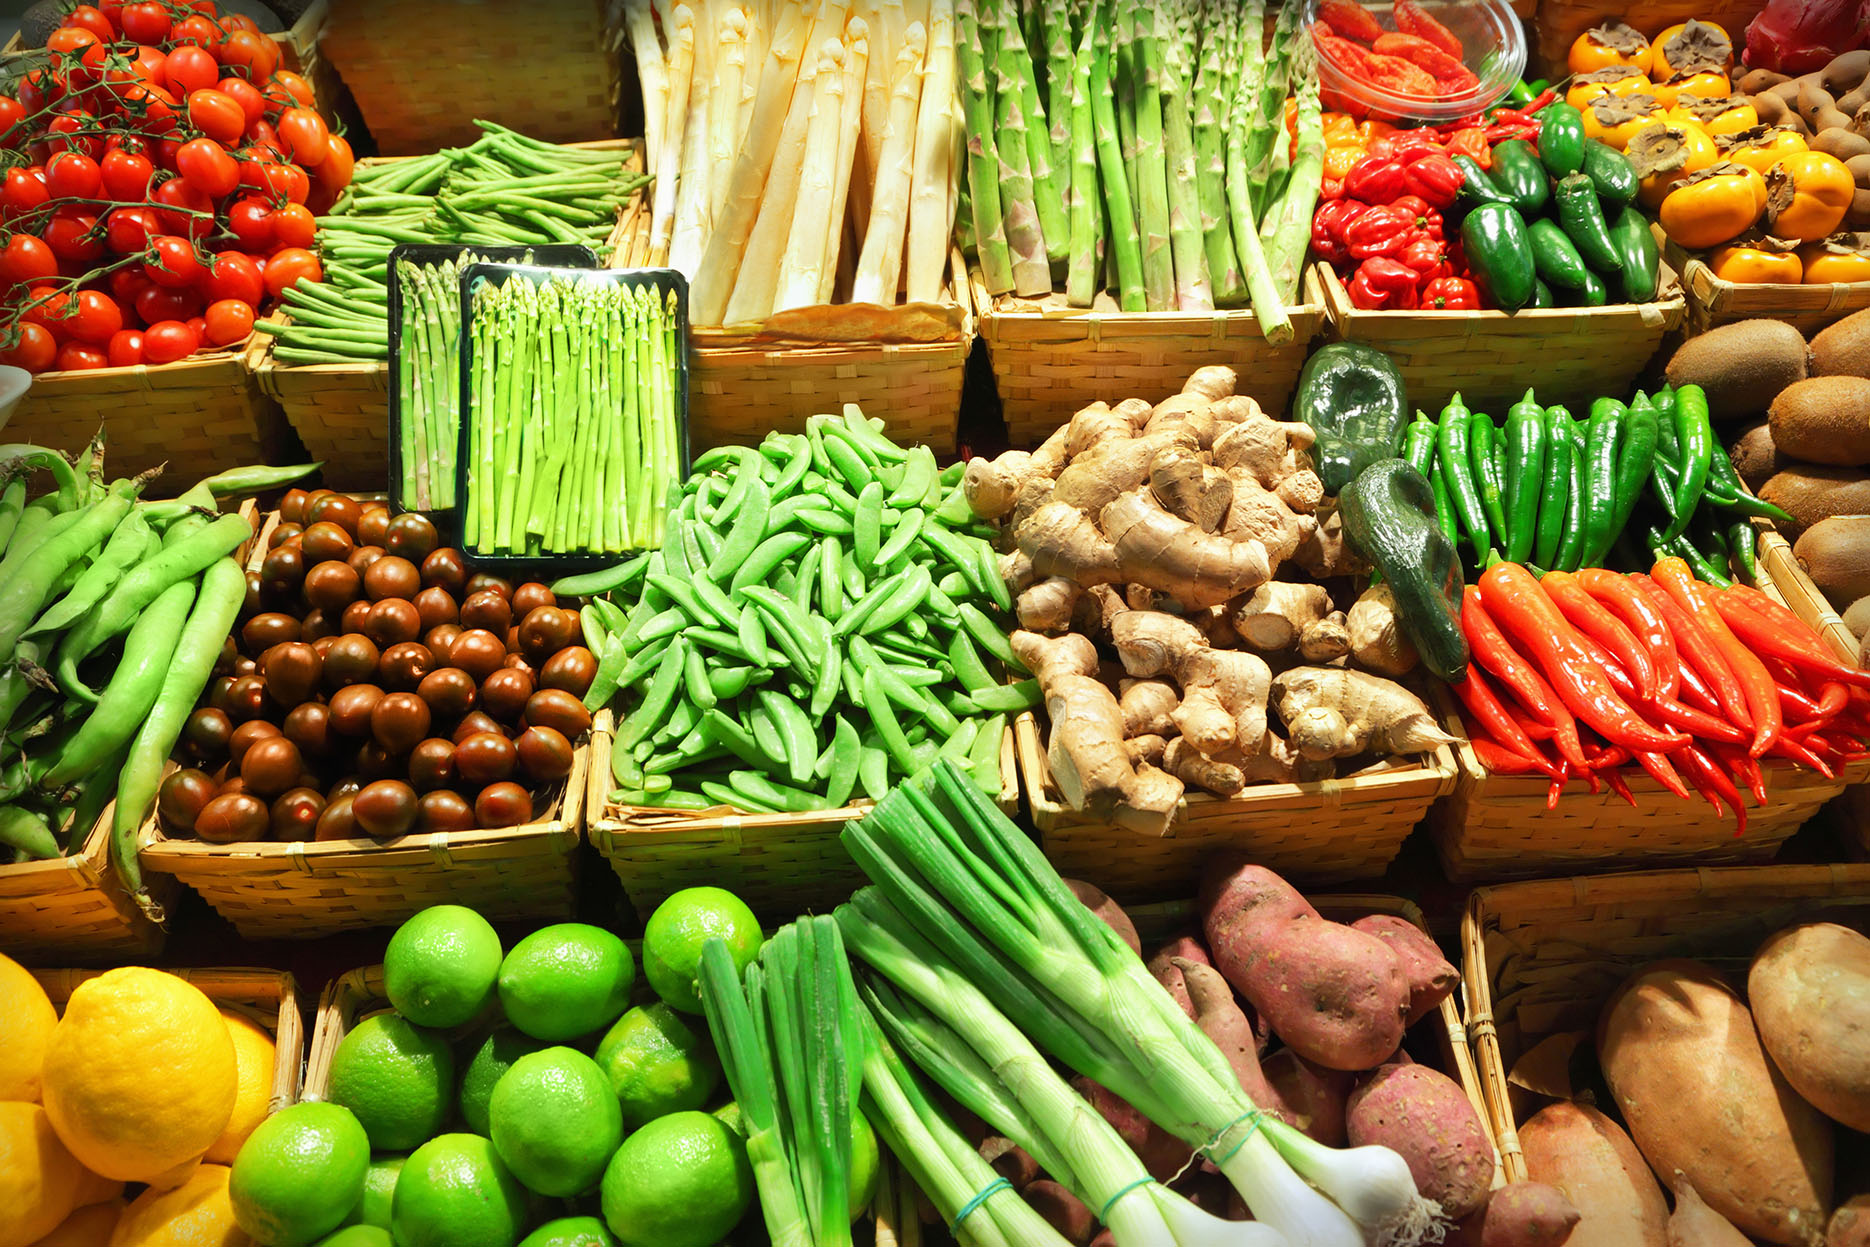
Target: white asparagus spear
(759, 31)
(652, 72)
(669, 163)
(691, 192)
(880, 265)
(724, 106)
(856, 60)
(805, 245)
(931, 197)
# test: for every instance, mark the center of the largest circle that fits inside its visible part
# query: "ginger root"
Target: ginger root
(1224, 692)
(1166, 552)
(1189, 765)
(1327, 640)
(1332, 712)
(1278, 613)
(1147, 706)
(1376, 636)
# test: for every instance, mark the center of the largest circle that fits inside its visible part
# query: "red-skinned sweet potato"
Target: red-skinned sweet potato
(1426, 1118)
(1220, 1018)
(1111, 913)
(1430, 975)
(1308, 1097)
(1162, 965)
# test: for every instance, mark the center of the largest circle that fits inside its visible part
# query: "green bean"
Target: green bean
(132, 542)
(22, 829)
(24, 590)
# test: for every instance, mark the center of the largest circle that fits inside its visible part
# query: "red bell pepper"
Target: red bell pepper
(1451, 294)
(1328, 225)
(1424, 256)
(1376, 180)
(1471, 141)
(1384, 230)
(1382, 283)
(1434, 178)
(1426, 218)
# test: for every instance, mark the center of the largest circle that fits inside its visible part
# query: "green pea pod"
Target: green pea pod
(1525, 475)
(1583, 219)
(239, 482)
(22, 829)
(1696, 436)
(1481, 435)
(1555, 491)
(1451, 445)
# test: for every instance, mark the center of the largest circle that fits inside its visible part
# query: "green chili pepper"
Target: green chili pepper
(1696, 436)
(1636, 461)
(1451, 444)
(1742, 539)
(1525, 475)
(1583, 219)
(1555, 494)
(1444, 506)
(1481, 436)
(1419, 444)
(1561, 139)
(1499, 251)
(1601, 438)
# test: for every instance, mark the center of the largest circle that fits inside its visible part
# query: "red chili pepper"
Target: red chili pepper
(1744, 767)
(1496, 654)
(1540, 100)
(1590, 617)
(1477, 694)
(1783, 636)
(1509, 116)
(1619, 678)
(1384, 283)
(1799, 751)
(1658, 766)
(1353, 58)
(1393, 73)
(1713, 783)
(1451, 294)
(1350, 19)
(1694, 692)
(1417, 51)
(1528, 616)
(1617, 784)
(1694, 644)
(1412, 20)
(1376, 180)
(1697, 722)
(1756, 682)
(1471, 141)
(1500, 760)
(1624, 600)
(1501, 133)
(1435, 178)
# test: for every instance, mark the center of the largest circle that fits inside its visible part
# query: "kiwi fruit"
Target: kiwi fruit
(1809, 493)
(1824, 420)
(1742, 366)
(1857, 617)
(1843, 350)
(1754, 455)
(1835, 553)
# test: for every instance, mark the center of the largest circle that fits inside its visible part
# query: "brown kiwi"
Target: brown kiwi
(1755, 457)
(1835, 552)
(1843, 350)
(1857, 617)
(1810, 493)
(1741, 366)
(1824, 420)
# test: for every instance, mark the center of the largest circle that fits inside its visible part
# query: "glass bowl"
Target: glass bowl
(1490, 32)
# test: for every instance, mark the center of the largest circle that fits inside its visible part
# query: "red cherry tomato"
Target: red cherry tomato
(249, 54)
(48, 304)
(286, 268)
(291, 88)
(240, 21)
(113, 9)
(292, 180)
(206, 165)
(156, 303)
(151, 65)
(174, 266)
(251, 221)
(198, 325)
(126, 284)
(262, 140)
(235, 277)
(40, 89)
(22, 191)
(229, 321)
(216, 115)
(12, 112)
(67, 132)
(304, 136)
(90, 17)
(293, 226)
(167, 341)
(166, 148)
(334, 172)
(126, 175)
(125, 349)
(27, 259)
(95, 316)
(245, 94)
(190, 69)
(35, 351)
(72, 175)
(71, 233)
(67, 41)
(155, 105)
(196, 29)
(93, 59)
(145, 23)
(182, 193)
(79, 357)
(128, 230)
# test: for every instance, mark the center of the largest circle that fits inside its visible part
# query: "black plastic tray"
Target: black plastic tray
(558, 255)
(663, 279)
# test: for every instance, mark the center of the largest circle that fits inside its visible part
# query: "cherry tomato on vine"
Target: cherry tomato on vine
(165, 152)
(245, 94)
(79, 357)
(304, 136)
(251, 221)
(240, 21)
(216, 115)
(125, 349)
(293, 226)
(235, 276)
(93, 59)
(290, 179)
(35, 351)
(26, 259)
(263, 140)
(48, 309)
(145, 23)
(290, 90)
(152, 64)
(198, 325)
(72, 132)
(153, 108)
(40, 89)
(126, 283)
(228, 321)
(95, 316)
(167, 341)
(71, 233)
(197, 29)
(178, 201)
(90, 17)
(73, 175)
(155, 303)
(190, 69)
(67, 40)
(128, 230)
(125, 175)
(207, 166)
(22, 190)
(249, 54)
(335, 170)
(12, 112)
(286, 268)
(113, 9)
(174, 265)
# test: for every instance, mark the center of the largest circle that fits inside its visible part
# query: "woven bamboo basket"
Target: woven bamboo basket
(1712, 301)
(1327, 832)
(780, 864)
(1557, 23)
(1498, 826)
(269, 998)
(1567, 354)
(1540, 958)
(1049, 360)
(546, 70)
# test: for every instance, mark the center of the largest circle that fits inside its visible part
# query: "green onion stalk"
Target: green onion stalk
(967, 917)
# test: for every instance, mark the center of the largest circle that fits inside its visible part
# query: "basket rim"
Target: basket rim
(1027, 310)
(1699, 280)
(1665, 312)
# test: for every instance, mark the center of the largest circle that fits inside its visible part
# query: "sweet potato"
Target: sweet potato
(1850, 1224)
(1810, 992)
(1108, 910)
(1430, 975)
(1694, 1224)
(1219, 1017)
(1527, 1214)
(1308, 1097)
(1237, 896)
(1592, 1163)
(1161, 1152)
(1425, 1118)
(1685, 1065)
(1162, 965)
(1009, 1160)
(1062, 1210)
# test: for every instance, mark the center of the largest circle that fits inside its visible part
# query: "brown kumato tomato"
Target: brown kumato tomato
(502, 805)
(232, 818)
(544, 754)
(182, 797)
(385, 808)
(485, 758)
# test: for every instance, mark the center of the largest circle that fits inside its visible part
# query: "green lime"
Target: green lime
(681, 1181)
(299, 1174)
(492, 1055)
(440, 967)
(359, 1236)
(864, 1163)
(398, 1078)
(555, 1121)
(379, 1189)
(456, 1192)
(571, 1232)
(658, 1062)
(566, 981)
(673, 937)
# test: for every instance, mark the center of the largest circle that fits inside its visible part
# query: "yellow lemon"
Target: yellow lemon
(253, 1065)
(39, 1177)
(87, 1227)
(140, 1075)
(26, 1021)
(194, 1214)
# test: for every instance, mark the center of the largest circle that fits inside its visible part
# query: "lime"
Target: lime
(440, 967)
(673, 937)
(456, 1192)
(379, 1189)
(398, 1078)
(359, 1236)
(493, 1054)
(299, 1174)
(571, 1232)
(555, 1121)
(681, 1181)
(566, 981)
(864, 1163)
(658, 1062)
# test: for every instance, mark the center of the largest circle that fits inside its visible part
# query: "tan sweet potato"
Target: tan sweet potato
(1107, 910)
(1810, 991)
(1308, 1097)
(1527, 1214)
(1681, 1057)
(1694, 1224)
(1426, 1118)
(1431, 977)
(1850, 1224)
(1592, 1163)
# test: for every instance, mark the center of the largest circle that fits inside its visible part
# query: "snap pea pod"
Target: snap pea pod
(239, 482)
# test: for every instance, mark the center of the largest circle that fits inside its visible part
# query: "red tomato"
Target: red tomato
(292, 180)
(335, 171)
(291, 90)
(125, 349)
(127, 283)
(234, 276)
(174, 266)
(231, 22)
(145, 23)
(126, 175)
(68, 132)
(216, 115)
(27, 259)
(152, 64)
(40, 89)
(229, 321)
(156, 304)
(154, 104)
(293, 226)
(190, 69)
(48, 309)
(12, 112)
(35, 351)
(206, 165)
(22, 191)
(198, 325)
(67, 40)
(72, 175)
(286, 268)
(249, 54)
(95, 317)
(167, 341)
(165, 152)
(78, 357)
(128, 230)
(92, 61)
(263, 140)
(72, 235)
(90, 17)
(245, 94)
(181, 193)
(304, 136)
(251, 221)
(198, 30)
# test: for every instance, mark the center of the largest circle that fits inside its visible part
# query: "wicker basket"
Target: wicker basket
(1558, 23)
(546, 70)
(1310, 833)
(780, 864)
(1712, 301)
(1050, 360)
(268, 998)
(1540, 959)
(1566, 354)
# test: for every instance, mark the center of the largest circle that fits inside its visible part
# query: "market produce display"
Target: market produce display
(571, 414)
(772, 128)
(163, 174)
(378, 687)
